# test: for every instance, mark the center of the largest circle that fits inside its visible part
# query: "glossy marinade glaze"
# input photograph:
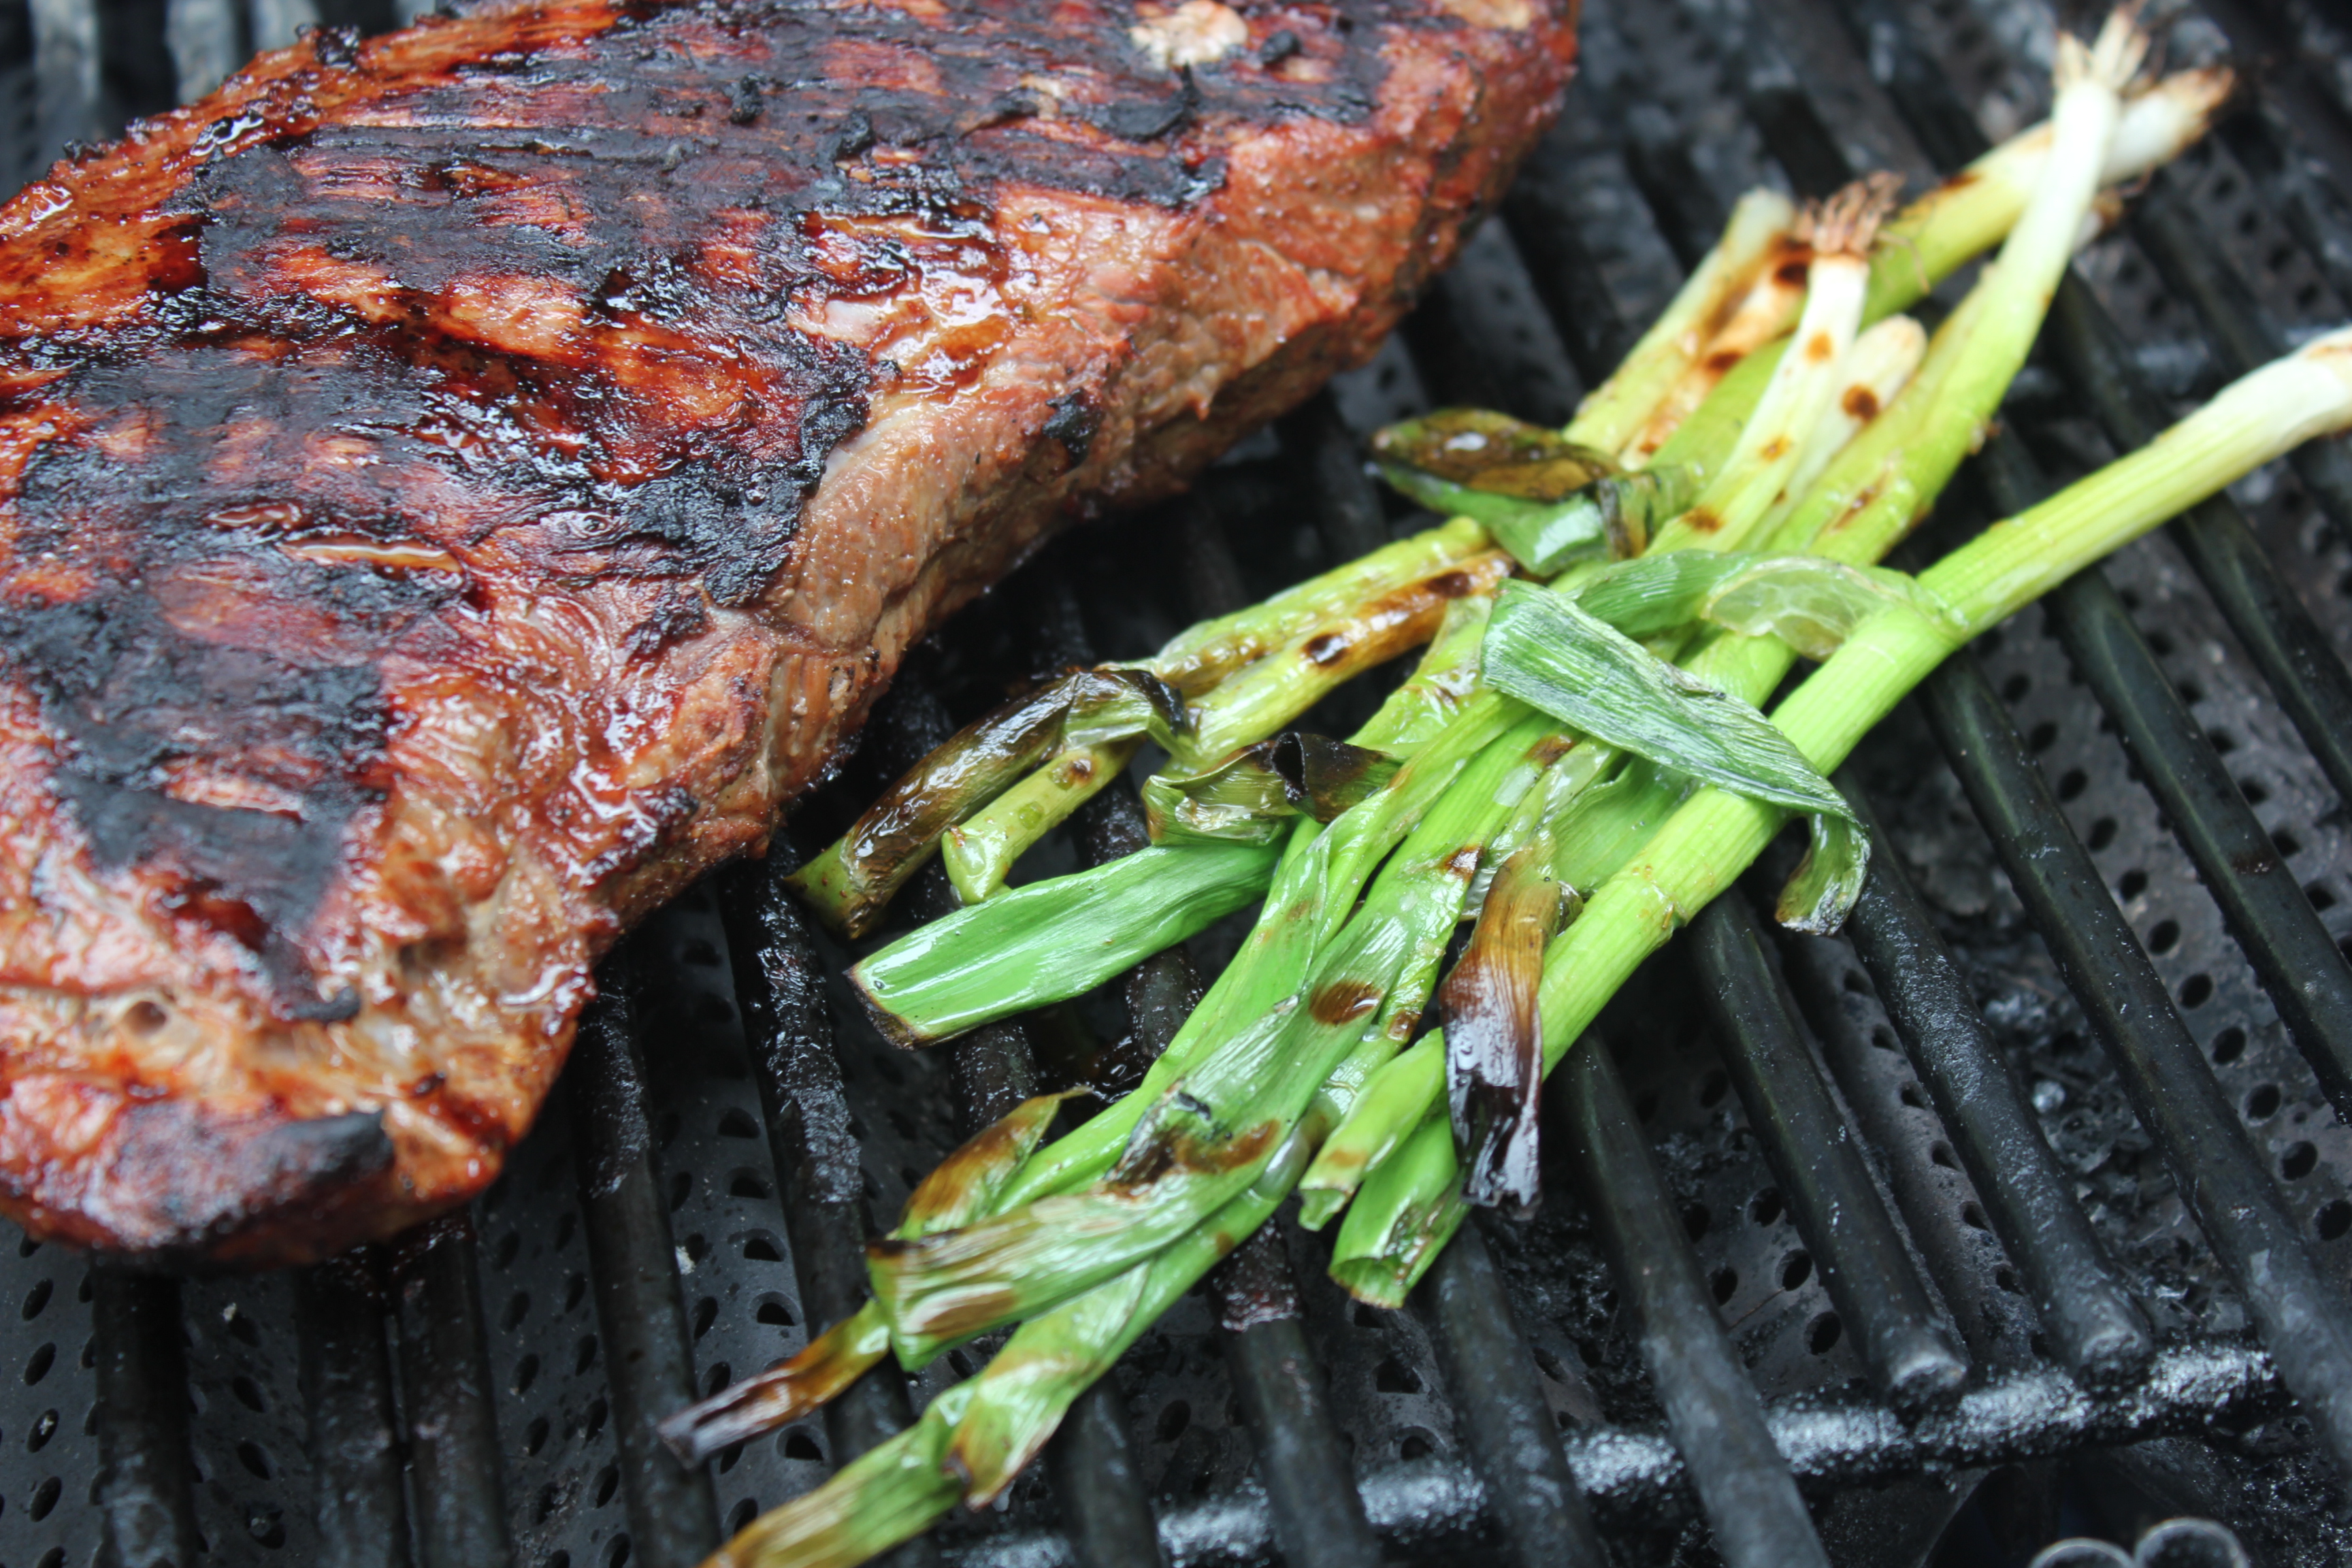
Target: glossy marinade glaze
(454, 488)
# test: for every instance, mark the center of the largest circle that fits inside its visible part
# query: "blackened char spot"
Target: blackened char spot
(1278, 46)
(334, 47)
(696, 519)
(856, 139)
(743, 101)
(678, 615)
(1074, 419)
(1148, 119)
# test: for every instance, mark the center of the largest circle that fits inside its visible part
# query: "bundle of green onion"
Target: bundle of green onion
(1576, 767)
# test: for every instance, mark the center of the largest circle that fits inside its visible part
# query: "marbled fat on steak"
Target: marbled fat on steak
(456, 487)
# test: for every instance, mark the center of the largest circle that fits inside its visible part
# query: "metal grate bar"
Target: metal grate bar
(780, 982)
(1090, 1464)
(2300, 966)
(2095, 1329)
(453, 1439)
(2258, 32)
(1938, 1206)
(206, 39)
(1711, 1404)
(2316, 212)
(353, 1444)
(1318, 1517)
(1713, 1413)
(2310, 682)
(1514, 1442)
(1091, 1460)
(142, 1421)
(1346, 507)
(1640, 1477)
(1812, 1147)
(995, 1068)
(65, 74)
(2300, 1314)
(1568, 277)
(1678, 196)
(640, 1316)
(2235, 320)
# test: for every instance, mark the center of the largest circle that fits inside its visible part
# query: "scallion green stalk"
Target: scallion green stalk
(1803, 387)
(1713, 836)
(1616, 412)
(1873, 491)
(1951, 226)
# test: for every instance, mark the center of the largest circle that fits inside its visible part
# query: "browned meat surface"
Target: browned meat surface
(454, 488)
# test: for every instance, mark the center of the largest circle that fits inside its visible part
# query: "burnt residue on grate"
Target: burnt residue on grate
(697, 1217)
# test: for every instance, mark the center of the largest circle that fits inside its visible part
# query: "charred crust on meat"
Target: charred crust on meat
(427, 466)
(743, 101)
(1075, 418)
(1148, 119)
(333, 46)
(678, 613)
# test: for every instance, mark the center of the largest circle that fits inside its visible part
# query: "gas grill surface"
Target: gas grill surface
(2020, 1212)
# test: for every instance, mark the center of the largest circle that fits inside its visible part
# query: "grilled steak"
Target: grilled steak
(454, 488)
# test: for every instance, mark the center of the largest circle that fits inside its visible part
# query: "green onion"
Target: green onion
(1805, 384)
(1263, 696)
(1941, 232)
(1195, 660)
(1615, 413)
(1553, 656)
(1210, 1134)
(1712, 838)
(1935, 423)
(1052, 940)
(849, 885)
(1527, 797)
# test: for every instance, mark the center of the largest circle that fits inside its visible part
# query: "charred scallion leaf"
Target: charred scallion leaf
(1550, 655)
(810, 1381)
(1809, 603)
(1823, 890)
(1494, 1038)
(1253, 793)
(850, 884)
(1545, 500)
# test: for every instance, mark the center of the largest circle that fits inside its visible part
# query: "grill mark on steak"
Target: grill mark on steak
(454, 487)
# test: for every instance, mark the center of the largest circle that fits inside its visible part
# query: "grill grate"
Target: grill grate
(1793, 1310)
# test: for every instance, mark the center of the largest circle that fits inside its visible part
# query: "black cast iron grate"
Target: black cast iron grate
(1763, 1251)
